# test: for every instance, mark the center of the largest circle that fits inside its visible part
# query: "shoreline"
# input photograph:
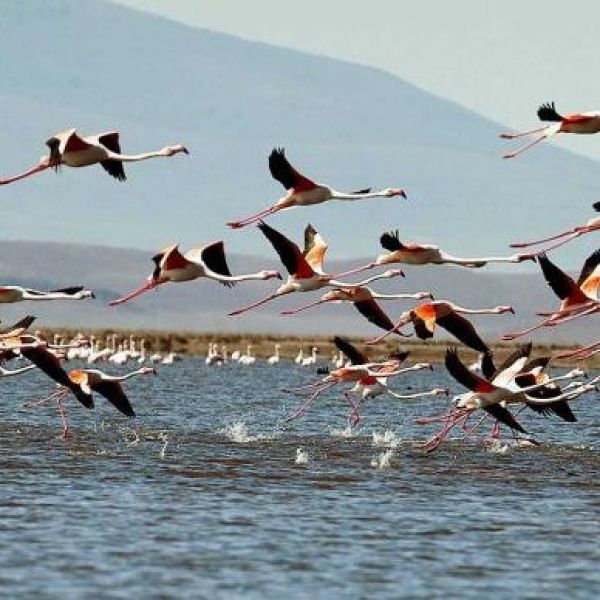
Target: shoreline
(195, 344)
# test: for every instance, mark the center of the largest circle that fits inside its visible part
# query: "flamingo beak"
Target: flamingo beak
(154, 371)
(511, 310)
(403, 194)
(92, 295)
(185, 150)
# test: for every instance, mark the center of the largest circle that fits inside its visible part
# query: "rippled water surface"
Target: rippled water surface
(202, 497)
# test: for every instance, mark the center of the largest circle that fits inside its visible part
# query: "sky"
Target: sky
(499, 58)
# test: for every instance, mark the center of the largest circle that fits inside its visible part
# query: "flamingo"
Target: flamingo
(299, 357)
(312, 359)
(564, 237)
(17, 329)
(364, 301)
(301, 191)
(578, 299)
(305, 268)
(205, 261)
(15, 293)
(582, 123)
(373, 386)
(351, 373)
(427, 254)
(488, 396)
(449, 316)
(70, 149)
(273, 360)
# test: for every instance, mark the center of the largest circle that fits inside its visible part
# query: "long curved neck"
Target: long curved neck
(416, 296)
(350, 196)
(11, 372)
(136, 157)
(336, 283)
(126, 376)
(474, 311)
(49, 296)
(234, 278)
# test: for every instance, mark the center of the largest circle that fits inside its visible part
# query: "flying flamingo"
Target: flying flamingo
(585, 123)
(87, 381)
(577, 299)
(305, 268)
(304, 192)
(485, 395)
(68, 148)
(447, 315)
(373, 386)
(412, 253)
(15, 293)
(350, 374)
(364, 300)
(205, 261)
(564, 237)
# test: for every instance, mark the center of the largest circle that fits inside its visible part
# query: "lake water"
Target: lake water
(201, 496)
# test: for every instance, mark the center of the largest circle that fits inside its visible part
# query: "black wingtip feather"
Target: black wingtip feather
(547, 112)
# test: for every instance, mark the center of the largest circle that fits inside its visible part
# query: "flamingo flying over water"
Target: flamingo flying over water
(15, 293)
(364, 300)
(411, 253)
(305, 192)
(205, 261)
(70, 149)
(449, 316)
(582, 123)
(305, 268)
(564, 237)
(578, 299)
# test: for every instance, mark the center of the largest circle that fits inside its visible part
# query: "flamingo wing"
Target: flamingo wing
(560, 283)
(390, 241)
(371, 310)
(212, 257)
(547, 112)
(114, 393)
(293, 260)
(282, 171)
(561, 409)
(537, 365)
(589, 279)
(169, 258)
(48, 363)
(463, 330)
(355, 356)
(514, 362)
(315, 248)
(19, 327)
(504, 416)
(464, 376)
(110, 140)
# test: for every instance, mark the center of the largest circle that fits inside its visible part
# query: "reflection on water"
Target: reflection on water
(211, 494)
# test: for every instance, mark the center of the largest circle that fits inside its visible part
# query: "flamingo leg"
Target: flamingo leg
(457, 416)
(396, 329)
(36, 169)
(356, 271)
(570, 233)
(293, 311)
(354, 416)
(66, 433)
(522, 149)
(244, 309)
(305, 406)
(141, 290)
(254, 218)
(520, 134)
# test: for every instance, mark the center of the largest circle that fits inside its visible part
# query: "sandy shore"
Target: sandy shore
(195, 344)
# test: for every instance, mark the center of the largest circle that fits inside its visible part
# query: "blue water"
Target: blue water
(201, 497)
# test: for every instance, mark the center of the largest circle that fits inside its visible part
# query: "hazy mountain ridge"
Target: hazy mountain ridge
(231, 100)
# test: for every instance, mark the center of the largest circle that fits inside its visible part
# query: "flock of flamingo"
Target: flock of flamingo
(493, 391)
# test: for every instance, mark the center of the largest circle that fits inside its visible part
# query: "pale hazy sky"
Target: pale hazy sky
(499, 57)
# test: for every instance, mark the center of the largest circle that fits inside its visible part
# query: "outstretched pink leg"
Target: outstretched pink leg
(36, 169)
(63, 413)
(150, 285)
(240, 311)
(302, 410)
(254, 218)
(457, 416)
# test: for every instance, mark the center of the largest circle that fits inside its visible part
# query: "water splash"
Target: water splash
(301, 457)
(387, 439)
(383, 460)
(347, 432)
(238, 432)
(498, 447)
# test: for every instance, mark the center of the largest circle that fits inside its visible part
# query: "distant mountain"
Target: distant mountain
(203, 305)
(98, 66)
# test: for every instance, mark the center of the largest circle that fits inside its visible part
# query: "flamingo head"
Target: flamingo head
(391, 192)
(171, 150)
(504, 309)
(337, 295)
(148, 371)
(270, 275)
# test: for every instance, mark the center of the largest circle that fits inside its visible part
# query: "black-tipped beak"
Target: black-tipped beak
(92, 295)
(403, 194)
(512, 311)
(154, 372)
(402, 274)
(279, 276)
(185, 150)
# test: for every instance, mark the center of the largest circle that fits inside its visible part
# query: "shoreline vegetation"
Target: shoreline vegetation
(195, 344)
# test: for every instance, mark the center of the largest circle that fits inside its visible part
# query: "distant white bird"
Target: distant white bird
(273, 360)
